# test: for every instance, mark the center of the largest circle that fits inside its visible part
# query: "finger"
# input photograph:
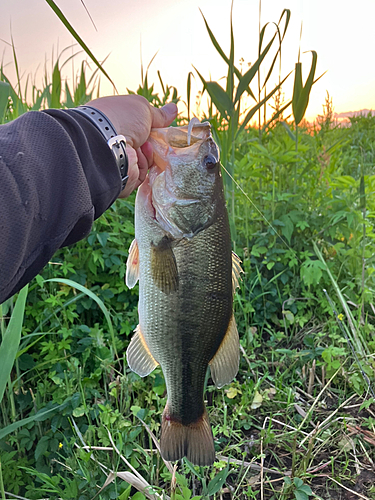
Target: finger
(143, 165)
(148, 152)
(162, 117)
(133, 173)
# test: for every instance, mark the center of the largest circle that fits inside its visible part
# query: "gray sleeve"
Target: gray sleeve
(57, 175)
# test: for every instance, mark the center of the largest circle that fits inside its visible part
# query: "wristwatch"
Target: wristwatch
(117, 143)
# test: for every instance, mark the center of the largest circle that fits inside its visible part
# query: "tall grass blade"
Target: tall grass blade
(11, 340)
(80, 92)
(343, 329)
(69, 103)
(301, 93)
(188, 90)
(218, 96)
(92, 296)
(73, 32)
(16, 67)
(18, 107)
(249, 75)
(287, 13)
(275, 58)
(4, 96)
(221, 52)
(38, 417)
(56, 87)
(230, 78)
(360, 345)
(253, 110)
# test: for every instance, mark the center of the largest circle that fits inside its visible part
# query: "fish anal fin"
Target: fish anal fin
(132, 265)
(164, 266)
(224, 365)
(194, 441)
(236, 271)
(138, 355)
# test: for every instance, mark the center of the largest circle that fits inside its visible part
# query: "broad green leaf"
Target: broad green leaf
(41, 447)
(257, 401)
(218, 481)
(94, 297)
(312, 271)
(288, 228)
(300, 495)
(4, 96)
(11, 340)
(306, 488)
(73, 32)
(298, 482)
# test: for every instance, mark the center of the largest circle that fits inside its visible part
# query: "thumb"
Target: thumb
(162, 117)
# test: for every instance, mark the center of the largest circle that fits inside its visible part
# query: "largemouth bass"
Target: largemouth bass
(183, 260)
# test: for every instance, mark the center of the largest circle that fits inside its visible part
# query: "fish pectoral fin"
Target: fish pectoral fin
(164, 266)
(132, 265)
(224, 365)
(138, 355)
(236, 271)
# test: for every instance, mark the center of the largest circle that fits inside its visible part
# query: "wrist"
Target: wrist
(116, 142)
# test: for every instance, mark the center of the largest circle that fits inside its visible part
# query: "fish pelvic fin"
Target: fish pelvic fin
(132, 265)
(164, 265)
(138, 355)
(236, 271)
(193, 441)
(224, 365)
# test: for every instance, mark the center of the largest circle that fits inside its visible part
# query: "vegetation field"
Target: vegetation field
(299, 419)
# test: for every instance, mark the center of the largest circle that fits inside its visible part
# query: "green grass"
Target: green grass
(299, 420)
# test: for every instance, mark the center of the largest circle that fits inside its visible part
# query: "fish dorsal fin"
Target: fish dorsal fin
(138, 355)
(164, 266)
(224, 365)
(236, 271)
(132, 265)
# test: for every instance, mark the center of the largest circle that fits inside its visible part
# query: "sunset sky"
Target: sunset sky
(342, 33)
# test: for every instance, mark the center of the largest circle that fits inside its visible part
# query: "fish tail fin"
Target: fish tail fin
(195, 440)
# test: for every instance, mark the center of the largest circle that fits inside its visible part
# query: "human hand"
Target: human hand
(133, 116)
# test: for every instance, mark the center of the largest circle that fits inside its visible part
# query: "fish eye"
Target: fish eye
(210, 161)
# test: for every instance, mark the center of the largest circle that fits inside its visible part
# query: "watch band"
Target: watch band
(116, 143)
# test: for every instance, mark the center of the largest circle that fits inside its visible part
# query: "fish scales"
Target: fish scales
(183, 319)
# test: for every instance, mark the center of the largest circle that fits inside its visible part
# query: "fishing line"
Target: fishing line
(260, 213)
(364, 375)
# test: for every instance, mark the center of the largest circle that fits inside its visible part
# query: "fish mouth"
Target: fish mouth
(178, 141)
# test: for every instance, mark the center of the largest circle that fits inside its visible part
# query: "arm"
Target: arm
(57, 175)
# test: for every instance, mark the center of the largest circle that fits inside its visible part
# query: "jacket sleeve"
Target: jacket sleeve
(57, 175)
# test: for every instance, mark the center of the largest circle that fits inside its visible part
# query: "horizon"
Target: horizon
(177, 35)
